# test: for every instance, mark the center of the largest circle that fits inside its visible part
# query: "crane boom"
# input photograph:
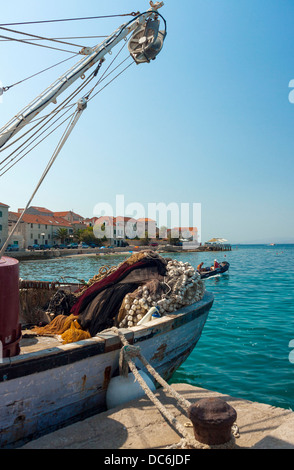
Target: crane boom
(96, 54)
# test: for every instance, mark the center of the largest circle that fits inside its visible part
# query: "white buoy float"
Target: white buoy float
(124, 389)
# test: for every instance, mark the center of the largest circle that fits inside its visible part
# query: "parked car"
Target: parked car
(12, 248)
(83, 245)
(154, 244)
(73, 245)
(45, 247)
(92, 245)
(60, 247)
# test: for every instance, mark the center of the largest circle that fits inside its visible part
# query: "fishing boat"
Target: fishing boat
(50, 385)
(44, 383)
(209, 272)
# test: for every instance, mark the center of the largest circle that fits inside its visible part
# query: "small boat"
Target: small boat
(208, 272)
(50, 385)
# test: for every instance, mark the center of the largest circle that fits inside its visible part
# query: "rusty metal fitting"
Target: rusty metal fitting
(212, 420)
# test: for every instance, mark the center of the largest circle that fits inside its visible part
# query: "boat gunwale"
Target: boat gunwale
(58, 356)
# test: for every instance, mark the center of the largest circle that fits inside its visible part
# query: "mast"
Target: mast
(93, 55)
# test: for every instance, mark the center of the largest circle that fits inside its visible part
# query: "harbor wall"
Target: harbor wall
(26, 255)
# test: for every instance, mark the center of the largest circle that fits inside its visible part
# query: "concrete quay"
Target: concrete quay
(140, 425)
(35, 255)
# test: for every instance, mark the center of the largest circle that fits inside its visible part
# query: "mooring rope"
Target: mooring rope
(127, 355)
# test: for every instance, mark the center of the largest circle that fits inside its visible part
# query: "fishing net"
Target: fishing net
(181, 286)
(31, 301)
(121, 296)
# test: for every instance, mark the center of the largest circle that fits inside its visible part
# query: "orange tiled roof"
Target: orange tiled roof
(190, 229)
(39, 209)
(145, 219)
(43, 219)
(3, 205)
(64, 213)
(61, 214)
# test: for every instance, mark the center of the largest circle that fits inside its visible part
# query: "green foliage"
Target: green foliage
(78, 235)
(89, 237)
(61, 234)
(146, 239)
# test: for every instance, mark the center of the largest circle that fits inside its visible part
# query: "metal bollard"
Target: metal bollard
(212, 420)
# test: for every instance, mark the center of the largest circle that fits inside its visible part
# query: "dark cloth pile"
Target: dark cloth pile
(98, 306)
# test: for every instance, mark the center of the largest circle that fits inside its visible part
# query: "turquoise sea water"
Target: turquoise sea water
(244, 348)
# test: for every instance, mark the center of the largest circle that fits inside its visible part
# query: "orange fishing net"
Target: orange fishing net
(75, 333)
(66, 326)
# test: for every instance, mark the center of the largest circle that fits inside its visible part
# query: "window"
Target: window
(32, 225)
(1, 214)
(39, 225)
(0, 228)
(31, 235)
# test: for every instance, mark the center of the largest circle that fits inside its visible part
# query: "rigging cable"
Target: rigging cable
(51, 132)
(56, 110)
(40, 37)
(61, 106)
(67, 132)
(22, 147)
(75, 93)
(68, 37)
(38, 45)
(71, 19)
(101, 78)
(6, 88)
(132, 63)
(108, 42)
(87, 97)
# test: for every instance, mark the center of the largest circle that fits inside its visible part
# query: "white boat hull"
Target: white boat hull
(41, 391)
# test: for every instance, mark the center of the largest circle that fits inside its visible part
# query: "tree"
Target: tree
(61, 234)
(163, 233)
(78, 235)
(172, 240)
(89, 237)
(146, 239)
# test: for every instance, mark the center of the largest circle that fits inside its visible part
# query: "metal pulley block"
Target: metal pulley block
(146, 41)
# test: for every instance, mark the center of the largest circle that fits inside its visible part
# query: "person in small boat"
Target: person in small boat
(216, 265)
(199, 267)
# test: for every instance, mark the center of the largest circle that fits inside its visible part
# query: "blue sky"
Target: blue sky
(209, 121)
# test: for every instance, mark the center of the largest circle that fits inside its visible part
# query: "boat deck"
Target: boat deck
(33, 345)
(30, 342)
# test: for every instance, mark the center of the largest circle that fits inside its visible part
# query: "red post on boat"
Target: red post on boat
(10, 328)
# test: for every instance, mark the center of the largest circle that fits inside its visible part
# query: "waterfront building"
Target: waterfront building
(149, 226)
(38, 229)
(40, 225)
(3, 223)
(185, 234)
(70, 216)
(90, 222)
